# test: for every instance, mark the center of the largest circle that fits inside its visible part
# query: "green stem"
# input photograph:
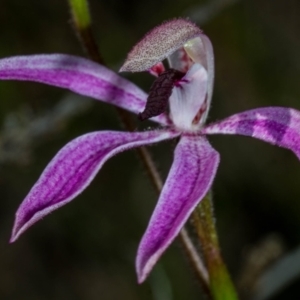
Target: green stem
(82, 23)
(221, 285)
(80, 12)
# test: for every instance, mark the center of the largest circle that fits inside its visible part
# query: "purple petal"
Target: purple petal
(72, 170)
(276, 125)
(78, 75)
(191, 175)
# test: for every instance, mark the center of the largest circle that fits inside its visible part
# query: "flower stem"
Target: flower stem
(221, 285)
(82, 23)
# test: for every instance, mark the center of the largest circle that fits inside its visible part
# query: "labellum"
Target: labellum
(160, 92)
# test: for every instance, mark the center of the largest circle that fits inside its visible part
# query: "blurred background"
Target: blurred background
(87, 249)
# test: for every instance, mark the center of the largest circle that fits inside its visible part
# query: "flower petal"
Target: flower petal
(78, 75)
(191, 175)
(72, 170)
(276, 125)
(180, 60)
(188, 97)
(200, 50)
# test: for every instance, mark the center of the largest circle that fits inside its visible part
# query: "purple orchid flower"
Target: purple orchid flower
(188, 95)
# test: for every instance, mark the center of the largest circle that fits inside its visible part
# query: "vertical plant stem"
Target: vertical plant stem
(82, 22)
(221, 284)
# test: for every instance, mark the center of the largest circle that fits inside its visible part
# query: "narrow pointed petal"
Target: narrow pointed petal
(72, 170)
(276, 125)
(191, 175)
(79, 75)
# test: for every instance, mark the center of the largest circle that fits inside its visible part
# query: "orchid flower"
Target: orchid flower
(178, 102)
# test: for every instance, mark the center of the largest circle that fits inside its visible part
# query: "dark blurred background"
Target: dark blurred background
(87, 249)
